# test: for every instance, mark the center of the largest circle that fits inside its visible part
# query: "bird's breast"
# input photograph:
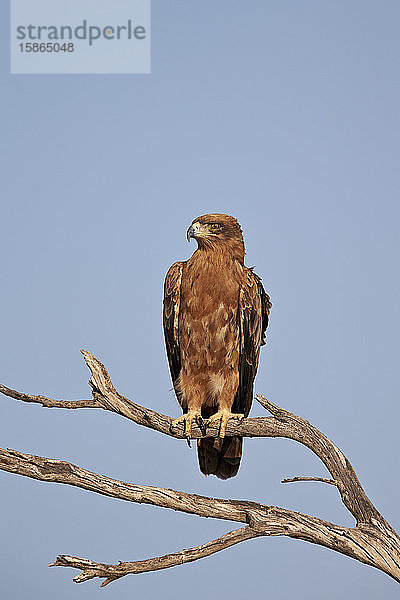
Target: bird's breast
(208, 321)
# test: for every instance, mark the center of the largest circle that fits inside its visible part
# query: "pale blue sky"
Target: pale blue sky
(284, 114)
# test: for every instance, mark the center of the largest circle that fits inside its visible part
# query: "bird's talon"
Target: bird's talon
(187, 420)
(176, 422)
(201, 424)
(223, 417)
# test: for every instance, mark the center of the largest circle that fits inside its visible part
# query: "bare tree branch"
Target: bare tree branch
(371, 541)
(282, 424)
(91, 569)
(321, 479)
(106, 397)
(59, 471)
(48, 402)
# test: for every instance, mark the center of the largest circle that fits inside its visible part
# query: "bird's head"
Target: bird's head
(218, 232)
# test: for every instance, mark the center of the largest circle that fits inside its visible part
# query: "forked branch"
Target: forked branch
(91, 569)
(371, 541)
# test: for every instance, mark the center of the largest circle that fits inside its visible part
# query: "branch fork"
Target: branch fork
(371, 541)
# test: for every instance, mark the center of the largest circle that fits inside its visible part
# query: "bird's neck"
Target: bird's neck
(218, 252)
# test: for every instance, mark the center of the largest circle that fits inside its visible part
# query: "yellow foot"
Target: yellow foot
(187, 419)
(223, 417)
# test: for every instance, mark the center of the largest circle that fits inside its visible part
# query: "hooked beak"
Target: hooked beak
(190, 233)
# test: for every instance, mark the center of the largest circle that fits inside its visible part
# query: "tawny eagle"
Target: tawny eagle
(215, 316)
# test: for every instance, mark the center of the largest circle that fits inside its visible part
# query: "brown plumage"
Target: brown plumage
(215, 317)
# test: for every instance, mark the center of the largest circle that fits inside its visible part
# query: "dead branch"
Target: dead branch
(91, 569)
(372, 541)
(320, 479)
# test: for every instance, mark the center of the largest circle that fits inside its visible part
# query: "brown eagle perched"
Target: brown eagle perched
(215, 317)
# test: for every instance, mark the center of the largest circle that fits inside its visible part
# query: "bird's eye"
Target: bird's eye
(215, 226)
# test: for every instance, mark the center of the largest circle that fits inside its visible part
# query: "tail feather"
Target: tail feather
(220, 457)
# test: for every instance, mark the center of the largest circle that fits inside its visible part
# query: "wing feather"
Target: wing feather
(253, 312)
(172, 292)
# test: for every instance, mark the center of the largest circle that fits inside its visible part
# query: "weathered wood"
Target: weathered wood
(92, 569)
(372, 541)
